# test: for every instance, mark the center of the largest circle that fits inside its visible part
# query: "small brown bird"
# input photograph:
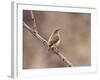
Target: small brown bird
(54, 39)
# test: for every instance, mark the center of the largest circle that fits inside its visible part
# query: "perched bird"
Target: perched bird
(54, 39)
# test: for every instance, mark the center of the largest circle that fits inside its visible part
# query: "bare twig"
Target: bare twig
(64, 59)
(36, 34)
(33, 21)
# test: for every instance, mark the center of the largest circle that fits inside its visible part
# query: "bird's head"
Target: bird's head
(57, 30)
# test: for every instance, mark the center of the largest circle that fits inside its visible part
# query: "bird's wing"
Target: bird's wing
(50, 37)
(53, 40)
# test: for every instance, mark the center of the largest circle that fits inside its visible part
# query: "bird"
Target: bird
(54, 39)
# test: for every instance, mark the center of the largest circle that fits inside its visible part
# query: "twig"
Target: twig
(33, 21)
(64, 59)
(36, 34)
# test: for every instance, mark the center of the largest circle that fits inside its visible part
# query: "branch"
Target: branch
(33, 21)
(64, 59)
(36, 34)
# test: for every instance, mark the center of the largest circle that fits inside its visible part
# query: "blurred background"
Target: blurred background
(75, 39)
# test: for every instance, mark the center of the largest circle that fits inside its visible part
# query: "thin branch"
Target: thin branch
(33, 21)
(36, 34)
(64, 59)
